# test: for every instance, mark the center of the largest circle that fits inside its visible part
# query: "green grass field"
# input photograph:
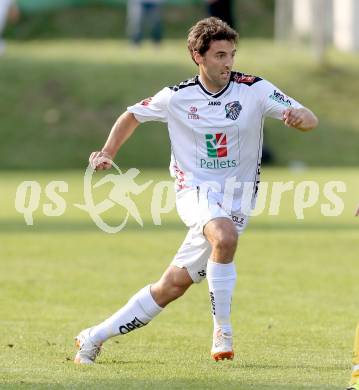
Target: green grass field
(294, 310)
(295, 305)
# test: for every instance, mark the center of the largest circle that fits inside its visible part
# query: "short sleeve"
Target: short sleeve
(153, 108)
(273, 100)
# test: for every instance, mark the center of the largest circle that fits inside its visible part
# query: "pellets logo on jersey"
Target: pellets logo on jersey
(216, 145)
(233, 109)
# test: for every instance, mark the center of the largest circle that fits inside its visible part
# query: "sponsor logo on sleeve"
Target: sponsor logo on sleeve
(233, 109)
(280, 98)
(244, 78)
(146, 102)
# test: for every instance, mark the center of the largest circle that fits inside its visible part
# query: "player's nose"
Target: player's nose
(229, 63)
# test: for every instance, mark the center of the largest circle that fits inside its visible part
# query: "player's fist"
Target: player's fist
(293, 117)
(100, 161)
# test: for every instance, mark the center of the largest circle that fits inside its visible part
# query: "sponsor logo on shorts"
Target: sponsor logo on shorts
(238, 220)
(130, 326)
(280, 98)
(202, 273)
(233, 109)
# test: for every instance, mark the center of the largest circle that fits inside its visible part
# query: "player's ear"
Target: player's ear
(197, 57)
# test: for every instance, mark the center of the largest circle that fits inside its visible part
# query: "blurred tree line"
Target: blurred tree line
(46, 19)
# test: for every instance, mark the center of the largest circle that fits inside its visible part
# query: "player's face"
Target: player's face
(216, 64)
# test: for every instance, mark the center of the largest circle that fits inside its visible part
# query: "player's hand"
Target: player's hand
(100, 161)
(293, 117)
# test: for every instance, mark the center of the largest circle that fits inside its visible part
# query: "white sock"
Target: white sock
(221, 281)
(137, 312)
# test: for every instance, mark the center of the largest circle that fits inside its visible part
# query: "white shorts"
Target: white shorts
(196, 208)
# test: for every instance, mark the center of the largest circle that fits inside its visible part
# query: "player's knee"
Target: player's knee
(225, 240)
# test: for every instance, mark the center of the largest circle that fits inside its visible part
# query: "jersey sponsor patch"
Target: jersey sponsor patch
(216, 145)
(192, 113)
(217, 149)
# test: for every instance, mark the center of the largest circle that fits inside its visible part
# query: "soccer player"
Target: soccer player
(354, 381)
(215, 123)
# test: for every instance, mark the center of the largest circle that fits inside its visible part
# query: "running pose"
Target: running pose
(215, 123)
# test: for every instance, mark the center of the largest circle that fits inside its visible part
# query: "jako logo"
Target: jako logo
(214, 103)
(216, 145)
(130, 326)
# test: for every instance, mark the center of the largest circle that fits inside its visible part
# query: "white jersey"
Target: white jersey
(215, 137)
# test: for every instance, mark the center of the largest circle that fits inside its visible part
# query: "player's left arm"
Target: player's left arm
(275, 104)
(300, 118)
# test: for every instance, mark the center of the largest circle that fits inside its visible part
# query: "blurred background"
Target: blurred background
(68, 68)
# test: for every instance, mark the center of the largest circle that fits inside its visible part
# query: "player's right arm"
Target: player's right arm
(150, 109)
(120, 132)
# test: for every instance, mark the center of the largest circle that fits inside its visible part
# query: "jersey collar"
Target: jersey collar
(213, 95)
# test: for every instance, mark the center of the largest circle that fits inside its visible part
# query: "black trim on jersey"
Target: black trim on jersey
(236, 77)
(184, 84)
(214, 95)
(242, 78)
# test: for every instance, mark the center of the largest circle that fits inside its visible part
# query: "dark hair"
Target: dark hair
(207, 30)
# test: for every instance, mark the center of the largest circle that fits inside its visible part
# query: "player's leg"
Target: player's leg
(354, 381)
(221, 276)
(138, 312)
(135, 21)
(173, 284)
